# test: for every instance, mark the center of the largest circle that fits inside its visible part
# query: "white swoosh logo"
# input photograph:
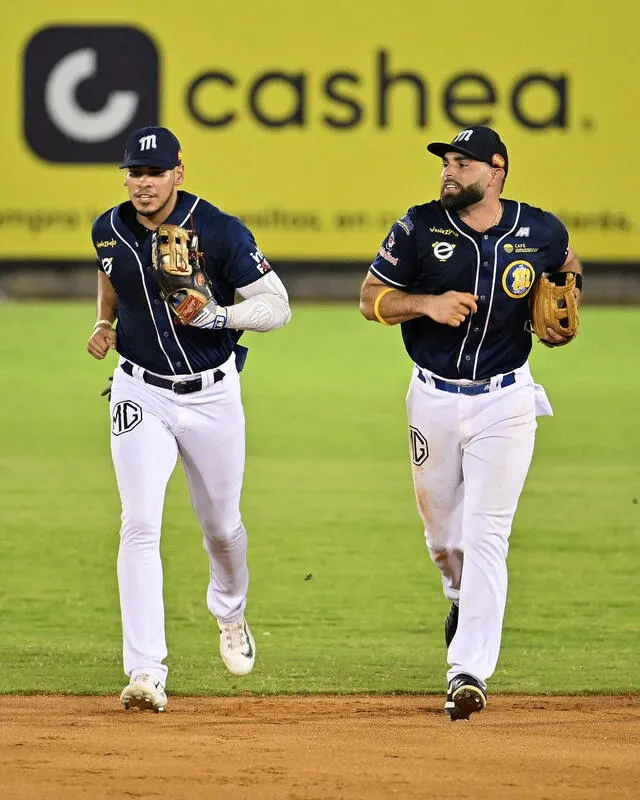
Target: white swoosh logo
(70, 118)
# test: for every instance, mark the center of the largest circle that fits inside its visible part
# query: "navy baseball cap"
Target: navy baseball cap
(152, 147)
(477, 142)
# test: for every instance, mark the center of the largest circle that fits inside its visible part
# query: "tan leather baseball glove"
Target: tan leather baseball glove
(553, 305)
(178, 271)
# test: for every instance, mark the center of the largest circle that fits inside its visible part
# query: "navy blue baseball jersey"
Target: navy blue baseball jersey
(147, 333)
(432, 251)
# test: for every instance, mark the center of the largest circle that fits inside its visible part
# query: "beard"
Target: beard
(465, 197)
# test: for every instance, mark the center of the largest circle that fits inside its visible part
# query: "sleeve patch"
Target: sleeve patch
(406, 224)
(261, 262)
(387, 256)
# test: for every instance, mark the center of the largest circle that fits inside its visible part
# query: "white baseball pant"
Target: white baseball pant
(470, 457)
(151, 427)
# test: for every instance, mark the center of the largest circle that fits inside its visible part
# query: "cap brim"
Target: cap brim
(139, 162)
(441, 148)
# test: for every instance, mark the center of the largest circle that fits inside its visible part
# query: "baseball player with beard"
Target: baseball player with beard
(176, 393)
(456, 274)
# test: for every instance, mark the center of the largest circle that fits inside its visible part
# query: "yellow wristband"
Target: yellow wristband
(376, 305)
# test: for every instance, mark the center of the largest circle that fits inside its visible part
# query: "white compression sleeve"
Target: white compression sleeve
(264, 307)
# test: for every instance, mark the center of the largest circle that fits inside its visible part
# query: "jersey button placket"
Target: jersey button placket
(485, 275)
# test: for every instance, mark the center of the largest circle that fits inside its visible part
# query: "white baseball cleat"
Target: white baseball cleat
(237, 647)
(144, 692)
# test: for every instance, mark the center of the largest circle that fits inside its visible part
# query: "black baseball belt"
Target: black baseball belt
(184, 386)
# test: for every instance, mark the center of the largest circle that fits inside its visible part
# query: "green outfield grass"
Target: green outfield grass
(327, 494)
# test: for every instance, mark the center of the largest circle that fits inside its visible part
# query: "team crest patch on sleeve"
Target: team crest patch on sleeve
(107, 265)
(406, 224)
(518, 278)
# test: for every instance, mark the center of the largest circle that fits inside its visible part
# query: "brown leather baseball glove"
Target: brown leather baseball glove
(553, 305)
(178, 271)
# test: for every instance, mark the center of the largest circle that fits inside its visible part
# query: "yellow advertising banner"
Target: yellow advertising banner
(310, 119)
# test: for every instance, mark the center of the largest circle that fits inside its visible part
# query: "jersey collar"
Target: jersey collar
(506, 221)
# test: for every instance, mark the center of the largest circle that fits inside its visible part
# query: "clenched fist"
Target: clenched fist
(451, 308)
(102, 340)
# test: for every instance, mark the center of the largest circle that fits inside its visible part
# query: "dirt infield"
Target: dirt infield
(320, 748)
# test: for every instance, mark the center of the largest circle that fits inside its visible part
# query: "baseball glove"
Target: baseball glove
(554, 305)
(178, 271)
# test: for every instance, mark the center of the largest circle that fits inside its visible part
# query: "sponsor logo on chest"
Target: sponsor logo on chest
(519, 247)
(444, 231)
(443, 250)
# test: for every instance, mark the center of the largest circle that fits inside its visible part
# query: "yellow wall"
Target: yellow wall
(328, 183)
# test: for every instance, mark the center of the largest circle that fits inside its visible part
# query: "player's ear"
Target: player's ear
(179, 173)
(497, 176)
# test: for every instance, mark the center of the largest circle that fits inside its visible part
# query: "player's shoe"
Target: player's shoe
(465, 696)
(451, 624)
(237, 647)
(145, 693)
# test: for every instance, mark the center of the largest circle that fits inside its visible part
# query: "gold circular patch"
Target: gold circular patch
(518, 278)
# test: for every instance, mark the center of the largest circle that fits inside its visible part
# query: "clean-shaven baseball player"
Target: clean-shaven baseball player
(176, 393)
(456, 273)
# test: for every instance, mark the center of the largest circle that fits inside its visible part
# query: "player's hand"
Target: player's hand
(103, 340)
(554, 337)
(451, 308)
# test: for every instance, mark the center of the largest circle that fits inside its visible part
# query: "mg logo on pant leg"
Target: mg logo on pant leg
(419, 447)
(125, 416)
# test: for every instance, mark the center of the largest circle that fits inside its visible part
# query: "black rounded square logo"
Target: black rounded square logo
(85, 89)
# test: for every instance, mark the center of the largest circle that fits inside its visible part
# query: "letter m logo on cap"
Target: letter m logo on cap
(148, 142)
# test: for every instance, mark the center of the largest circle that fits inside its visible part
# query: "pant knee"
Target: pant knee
(449, 562)
(219, 535)
(139, 532)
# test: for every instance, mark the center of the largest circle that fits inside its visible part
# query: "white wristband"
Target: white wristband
(101, 323)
